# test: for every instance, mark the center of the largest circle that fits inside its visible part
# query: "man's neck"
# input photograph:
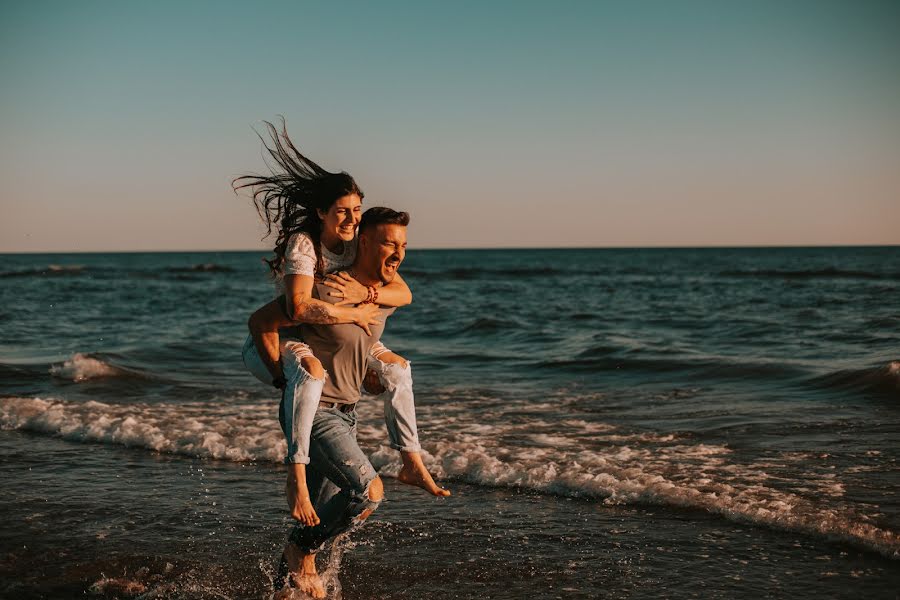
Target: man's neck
(364, 278)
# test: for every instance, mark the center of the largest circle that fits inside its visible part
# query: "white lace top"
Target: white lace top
(300, 259)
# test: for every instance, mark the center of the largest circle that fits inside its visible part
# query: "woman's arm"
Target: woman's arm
(301, 307)
(298, 306)
(396, 293)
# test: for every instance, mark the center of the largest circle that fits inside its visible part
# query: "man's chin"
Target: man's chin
(387, 277)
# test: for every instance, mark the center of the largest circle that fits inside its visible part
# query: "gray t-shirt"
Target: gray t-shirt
(343, 350)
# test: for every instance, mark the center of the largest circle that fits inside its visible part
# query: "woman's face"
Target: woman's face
(340, 222)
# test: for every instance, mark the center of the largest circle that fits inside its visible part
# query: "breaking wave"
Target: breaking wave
(883, 380)
(202, 268)
(48, 271)
(236, 432)
(82, 367)
(592, 460)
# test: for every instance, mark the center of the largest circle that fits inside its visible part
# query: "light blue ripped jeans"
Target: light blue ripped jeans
(300, 400)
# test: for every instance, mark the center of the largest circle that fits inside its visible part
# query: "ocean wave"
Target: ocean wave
(486, 324)
(48, 271)
(238, 432)
(881, 380)
(569, 456)
(605, 358)
(826, 273)
(471, 273)
(202, 268)
(84, 366)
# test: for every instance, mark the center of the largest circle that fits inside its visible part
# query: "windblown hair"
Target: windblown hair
(287, 199)
(382, 215)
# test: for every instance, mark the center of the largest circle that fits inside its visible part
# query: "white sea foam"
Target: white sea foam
(571, 457)
(82, 367)
(234, 432)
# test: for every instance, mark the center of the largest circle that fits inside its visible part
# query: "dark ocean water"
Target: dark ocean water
(613, 423)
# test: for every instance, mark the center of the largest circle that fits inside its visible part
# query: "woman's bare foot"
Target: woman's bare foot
(414, 472)
(298, 496)
(302, 571)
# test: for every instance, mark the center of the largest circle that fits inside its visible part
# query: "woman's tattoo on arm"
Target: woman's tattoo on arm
(318, 314)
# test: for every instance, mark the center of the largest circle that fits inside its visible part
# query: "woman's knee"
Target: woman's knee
(376, 490)
(390, 358)
(312, 366)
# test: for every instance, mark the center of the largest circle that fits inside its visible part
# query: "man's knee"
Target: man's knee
(376, 490)
(376, 494)
(312, 366)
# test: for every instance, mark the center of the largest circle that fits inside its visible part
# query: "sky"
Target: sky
(495, 124)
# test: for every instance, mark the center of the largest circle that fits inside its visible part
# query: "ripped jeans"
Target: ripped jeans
(300, 400)
(338, 478)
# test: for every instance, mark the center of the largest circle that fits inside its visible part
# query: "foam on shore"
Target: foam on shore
(572, 457)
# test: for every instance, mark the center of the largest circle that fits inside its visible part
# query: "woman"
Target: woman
(315, 213)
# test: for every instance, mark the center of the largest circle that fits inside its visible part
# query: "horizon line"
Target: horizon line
(475, 248)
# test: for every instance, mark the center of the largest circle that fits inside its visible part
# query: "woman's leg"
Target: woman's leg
(395, 376)
(299, 402)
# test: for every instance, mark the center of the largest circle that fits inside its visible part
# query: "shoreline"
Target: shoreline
(211, 528)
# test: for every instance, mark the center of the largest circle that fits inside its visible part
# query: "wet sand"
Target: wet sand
(119, 522)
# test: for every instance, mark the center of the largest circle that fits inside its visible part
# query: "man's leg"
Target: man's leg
(395, 375)
(300, 564)
(345, 489)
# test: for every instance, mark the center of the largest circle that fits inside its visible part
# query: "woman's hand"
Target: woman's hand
(365, 315)
(349, 290)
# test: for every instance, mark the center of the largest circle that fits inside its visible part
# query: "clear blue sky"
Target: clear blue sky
(495, 124)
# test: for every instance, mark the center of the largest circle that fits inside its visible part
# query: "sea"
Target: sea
(612, 423)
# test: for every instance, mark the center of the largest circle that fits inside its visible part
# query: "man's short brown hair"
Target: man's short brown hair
(382, 215)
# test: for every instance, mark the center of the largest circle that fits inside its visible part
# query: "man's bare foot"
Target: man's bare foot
(414, 472)
(302, 571)
(298, 496)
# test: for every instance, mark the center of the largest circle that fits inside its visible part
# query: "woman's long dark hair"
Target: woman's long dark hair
(287, 199)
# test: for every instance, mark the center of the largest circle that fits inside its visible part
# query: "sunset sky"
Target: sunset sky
(513, 124)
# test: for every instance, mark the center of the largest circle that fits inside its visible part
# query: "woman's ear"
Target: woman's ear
(321, 214)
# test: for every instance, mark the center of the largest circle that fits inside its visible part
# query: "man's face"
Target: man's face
(384, 248)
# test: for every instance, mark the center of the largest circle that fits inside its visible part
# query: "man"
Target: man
(343, 486)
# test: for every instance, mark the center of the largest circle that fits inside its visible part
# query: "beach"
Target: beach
(633, 423)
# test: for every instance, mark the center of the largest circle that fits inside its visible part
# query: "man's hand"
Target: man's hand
(414, 472)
